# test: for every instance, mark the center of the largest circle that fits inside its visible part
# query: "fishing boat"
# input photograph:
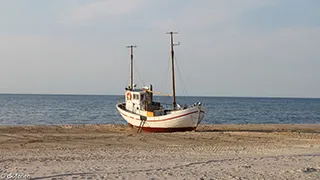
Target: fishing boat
(142, 112)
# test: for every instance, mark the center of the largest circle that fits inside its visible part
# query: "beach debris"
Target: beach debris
(246, 166)
(309, 169)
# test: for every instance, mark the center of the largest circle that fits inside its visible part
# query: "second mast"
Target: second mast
(174, 102)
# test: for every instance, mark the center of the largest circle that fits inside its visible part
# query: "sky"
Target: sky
(251, 48)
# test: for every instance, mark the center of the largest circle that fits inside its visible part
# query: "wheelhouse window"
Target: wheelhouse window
(136, 96)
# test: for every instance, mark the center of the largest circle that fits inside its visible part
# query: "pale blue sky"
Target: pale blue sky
(228, 47)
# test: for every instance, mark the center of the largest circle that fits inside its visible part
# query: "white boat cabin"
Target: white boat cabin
(140, 101)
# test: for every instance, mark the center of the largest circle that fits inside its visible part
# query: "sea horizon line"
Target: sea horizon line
(201, 96)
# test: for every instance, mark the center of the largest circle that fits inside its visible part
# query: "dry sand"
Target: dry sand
(118, 152)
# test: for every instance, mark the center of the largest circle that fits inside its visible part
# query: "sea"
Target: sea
(33, 109)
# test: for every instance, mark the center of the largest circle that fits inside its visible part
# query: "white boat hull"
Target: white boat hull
(179, 120)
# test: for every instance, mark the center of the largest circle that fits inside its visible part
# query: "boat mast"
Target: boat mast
(174, 103)
(131, 65)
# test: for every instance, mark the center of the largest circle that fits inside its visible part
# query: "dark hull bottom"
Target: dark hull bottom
(150, 129)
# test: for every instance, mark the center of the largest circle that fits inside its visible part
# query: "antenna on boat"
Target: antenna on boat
(131, 65)
(174, 103)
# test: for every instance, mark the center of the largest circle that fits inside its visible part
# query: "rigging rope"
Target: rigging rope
(184, 91)
(164, 81)
(136, 70)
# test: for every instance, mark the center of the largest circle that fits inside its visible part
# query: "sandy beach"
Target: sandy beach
(118, 152)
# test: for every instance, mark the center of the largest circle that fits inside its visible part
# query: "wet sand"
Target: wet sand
(118, 152)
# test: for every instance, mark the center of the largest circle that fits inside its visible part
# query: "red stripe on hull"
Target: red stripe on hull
(162, 119)
(154, 129)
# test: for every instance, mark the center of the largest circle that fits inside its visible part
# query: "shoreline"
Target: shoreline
(109, 151)
(306, 128)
